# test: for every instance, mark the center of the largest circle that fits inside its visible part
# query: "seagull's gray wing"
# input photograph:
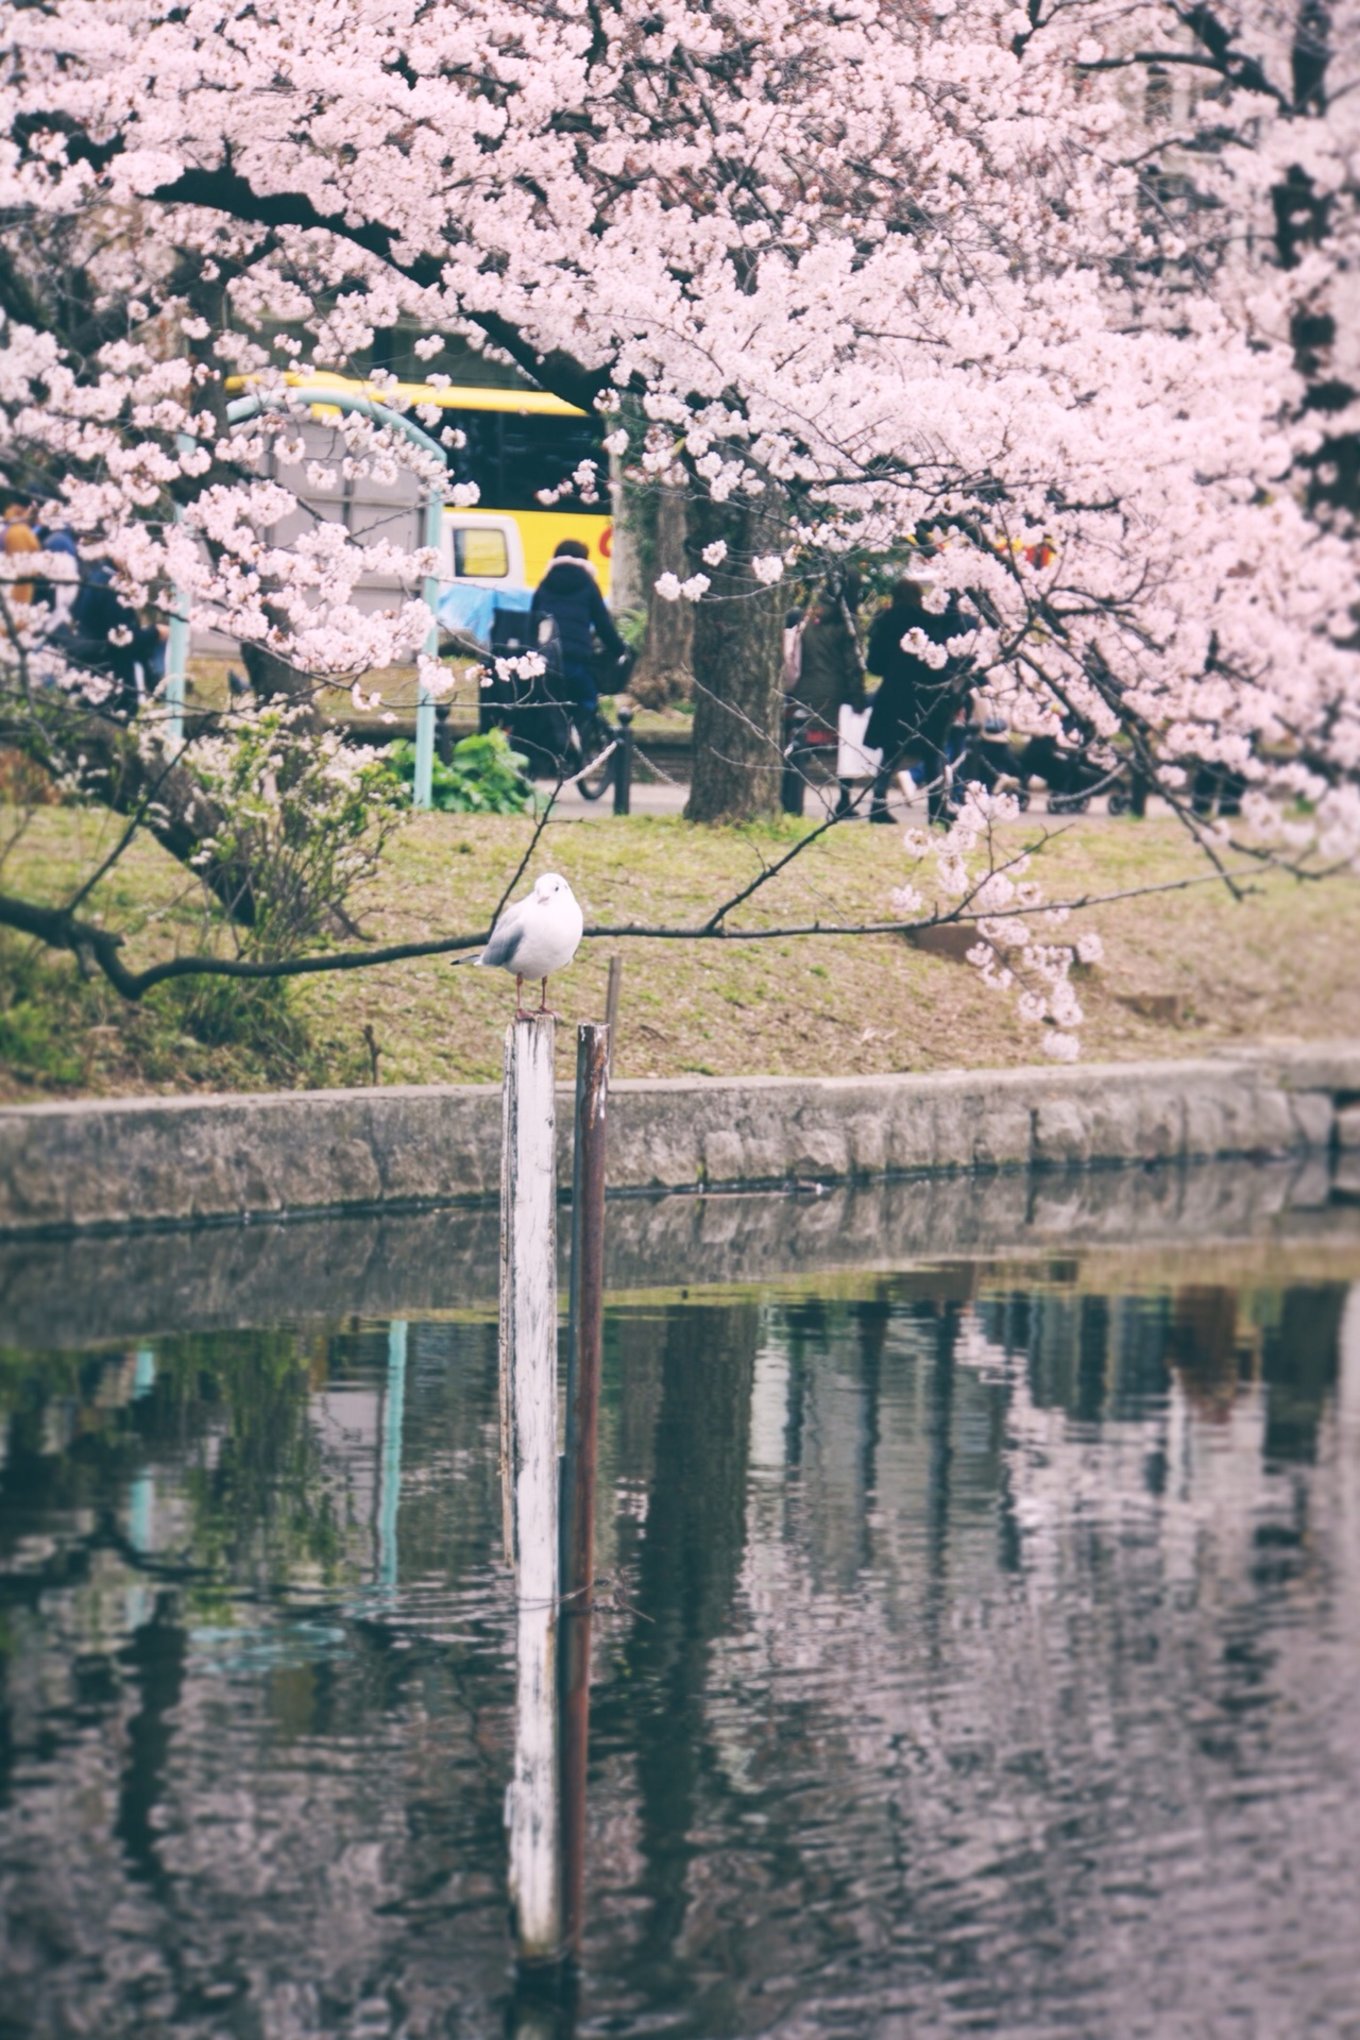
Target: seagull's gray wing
(506, 937)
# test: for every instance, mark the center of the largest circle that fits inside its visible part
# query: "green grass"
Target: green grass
(1185, 971)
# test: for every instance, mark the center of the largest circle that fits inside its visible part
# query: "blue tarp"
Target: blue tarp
(472, 610)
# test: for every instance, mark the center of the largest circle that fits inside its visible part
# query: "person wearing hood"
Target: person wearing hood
(924, 687)
(569, 614)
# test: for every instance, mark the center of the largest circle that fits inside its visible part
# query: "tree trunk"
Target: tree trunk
(665, 671)
(274, 679)
(627, 576)
(738, 704)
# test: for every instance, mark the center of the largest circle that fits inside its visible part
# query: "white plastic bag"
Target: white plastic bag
(854, 759)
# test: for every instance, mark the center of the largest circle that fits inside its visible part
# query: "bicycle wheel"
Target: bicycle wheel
(598, 739)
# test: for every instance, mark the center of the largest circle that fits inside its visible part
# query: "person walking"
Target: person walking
(828, 674)
(921, 692)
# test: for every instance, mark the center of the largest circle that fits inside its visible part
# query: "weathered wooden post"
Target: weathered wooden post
(529, 1442)
(579, 1456)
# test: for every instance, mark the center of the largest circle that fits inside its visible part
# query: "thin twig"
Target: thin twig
(539, 826)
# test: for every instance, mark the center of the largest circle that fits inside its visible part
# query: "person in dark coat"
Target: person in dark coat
(824, 670)
(917, 703)
(569, 614)
(104, 636)
(829, 672)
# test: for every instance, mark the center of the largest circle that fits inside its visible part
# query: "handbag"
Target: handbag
(854, 758)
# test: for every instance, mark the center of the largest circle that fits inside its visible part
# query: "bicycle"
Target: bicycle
(592, 738)
(561, 740)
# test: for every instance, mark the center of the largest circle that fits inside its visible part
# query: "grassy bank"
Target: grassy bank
(1185, 971)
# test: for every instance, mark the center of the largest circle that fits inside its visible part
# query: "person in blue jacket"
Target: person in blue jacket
(568, 616)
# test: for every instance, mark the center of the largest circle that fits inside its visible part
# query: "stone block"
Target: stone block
(724, 1155)
(818, 1147)
(654, 1139)
(866, 1136)
(1239, 1112)
(1315, 1066)
(1001, 1130)
(1062, 1133)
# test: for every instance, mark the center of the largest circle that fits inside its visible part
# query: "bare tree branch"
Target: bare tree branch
(59, 929)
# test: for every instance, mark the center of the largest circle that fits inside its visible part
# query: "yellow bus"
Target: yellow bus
(519, 444)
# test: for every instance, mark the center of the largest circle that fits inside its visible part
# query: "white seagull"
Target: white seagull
(535, 938)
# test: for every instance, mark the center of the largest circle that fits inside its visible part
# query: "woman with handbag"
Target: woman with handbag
(829, 674)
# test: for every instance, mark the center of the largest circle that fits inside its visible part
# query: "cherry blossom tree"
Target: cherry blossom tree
(1061, 288)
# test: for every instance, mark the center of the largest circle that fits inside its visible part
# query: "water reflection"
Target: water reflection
(973, 1653)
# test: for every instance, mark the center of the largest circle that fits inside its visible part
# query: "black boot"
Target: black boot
(879, 812)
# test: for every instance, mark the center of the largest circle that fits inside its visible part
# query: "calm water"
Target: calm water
(980, 1654)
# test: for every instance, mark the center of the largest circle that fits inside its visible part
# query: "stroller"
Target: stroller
(809, 756)
(1073, 780)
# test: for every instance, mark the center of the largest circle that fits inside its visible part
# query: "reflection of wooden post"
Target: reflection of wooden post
(389, 1486)
(578, 1468)
(529, 1438)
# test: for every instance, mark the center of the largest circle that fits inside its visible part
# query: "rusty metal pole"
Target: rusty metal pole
(578, 1461)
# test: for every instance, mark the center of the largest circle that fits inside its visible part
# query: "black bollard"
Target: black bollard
(623, 764)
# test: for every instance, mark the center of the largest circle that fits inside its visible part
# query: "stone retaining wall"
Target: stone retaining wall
(158, 1162)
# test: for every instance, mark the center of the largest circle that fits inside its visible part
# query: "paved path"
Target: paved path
(652, 797)
(649, 797)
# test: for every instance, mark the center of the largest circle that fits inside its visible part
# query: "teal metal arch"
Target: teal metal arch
(310, 395)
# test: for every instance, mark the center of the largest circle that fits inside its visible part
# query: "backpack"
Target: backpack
(548, 643)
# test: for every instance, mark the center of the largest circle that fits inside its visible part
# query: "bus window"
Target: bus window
(481, 551)
(512, 458)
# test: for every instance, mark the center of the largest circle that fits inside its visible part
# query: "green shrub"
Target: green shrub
(40, 1037)
(304, 816)
(61, 1032)
(485, 776)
